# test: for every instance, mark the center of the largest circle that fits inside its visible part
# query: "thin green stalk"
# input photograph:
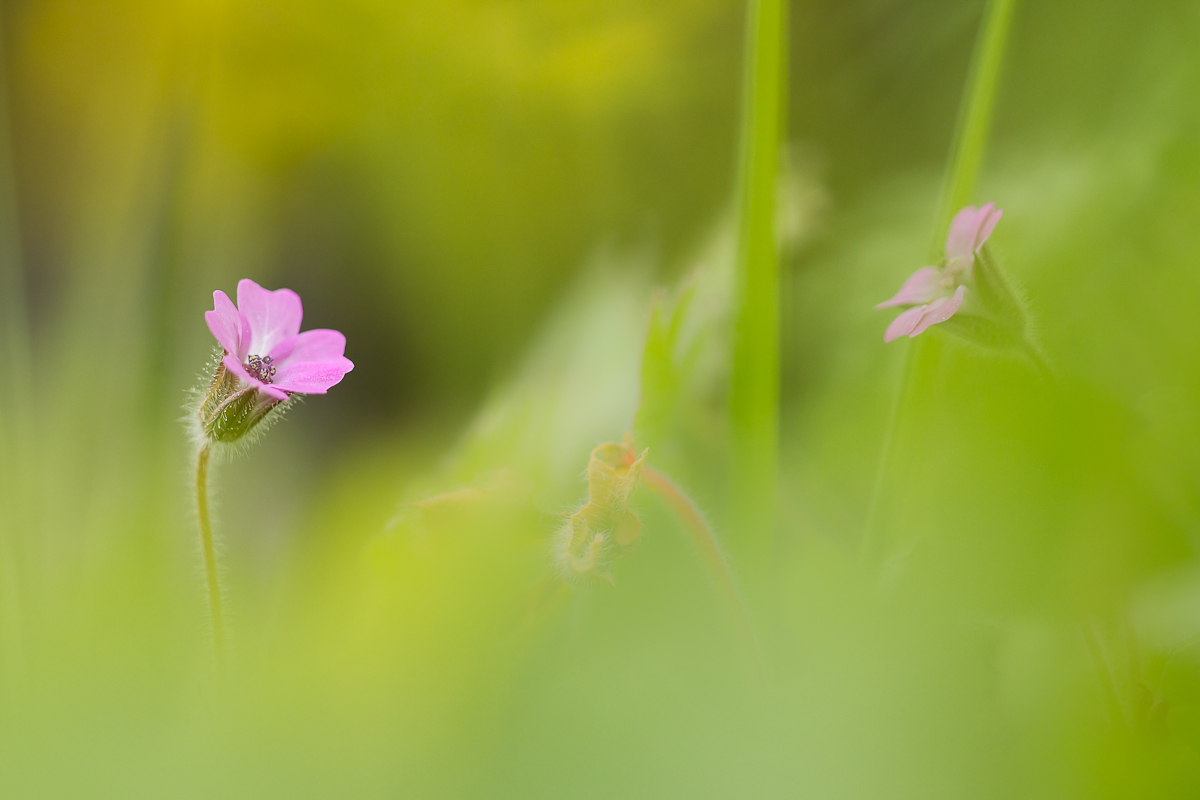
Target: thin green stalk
(974, 118)
(958, 185)
(17, 499)
(885, 452)
(706, 542)
(210, 556)
(754, 390)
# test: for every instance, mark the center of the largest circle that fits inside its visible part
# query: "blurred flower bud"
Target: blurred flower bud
(584, 544)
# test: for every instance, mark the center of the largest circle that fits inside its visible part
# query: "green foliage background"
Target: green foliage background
(522, 215)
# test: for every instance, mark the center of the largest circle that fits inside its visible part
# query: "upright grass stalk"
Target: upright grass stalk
(958, 184)
(210, 556)
(17, 501)
(754, 390)
(974, 119)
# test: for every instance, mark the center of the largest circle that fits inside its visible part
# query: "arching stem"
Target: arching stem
(706, 542)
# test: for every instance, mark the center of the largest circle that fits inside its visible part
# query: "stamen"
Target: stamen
(261, 367)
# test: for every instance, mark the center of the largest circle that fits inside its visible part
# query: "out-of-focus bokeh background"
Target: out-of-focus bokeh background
(489, 197)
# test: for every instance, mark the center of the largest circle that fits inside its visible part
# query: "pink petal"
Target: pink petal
(969, 230)
(273, 316)
(315, 345)
(960, 239)
(939, 310)
(228, 325)
(312, 377)
(921, 287)
(904, 323)
(274, 391)
(988, 224)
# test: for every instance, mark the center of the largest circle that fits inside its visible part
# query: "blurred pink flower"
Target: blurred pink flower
(935, 294)
(264, 346)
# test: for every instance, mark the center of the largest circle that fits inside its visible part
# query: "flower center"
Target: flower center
(261, 367)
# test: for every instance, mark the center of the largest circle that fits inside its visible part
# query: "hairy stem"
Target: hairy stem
(210, 556)
(1035, 354)
(706, 542)
(754, 390)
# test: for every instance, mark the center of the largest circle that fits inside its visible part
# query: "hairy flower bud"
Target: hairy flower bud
(227, 413)
(584, 543)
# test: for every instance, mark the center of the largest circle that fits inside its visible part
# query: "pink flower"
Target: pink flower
(265, 348)
(935, 294)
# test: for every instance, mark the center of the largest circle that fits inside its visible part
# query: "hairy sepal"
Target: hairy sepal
(227, 413)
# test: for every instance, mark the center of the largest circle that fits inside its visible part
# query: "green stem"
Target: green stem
(974, 118)
(210, 556)
(885, 452)
(706, 542)
(754, 390)
(1035, 354)
(18, 498)
(958, 185)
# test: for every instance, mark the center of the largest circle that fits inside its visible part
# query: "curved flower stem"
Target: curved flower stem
(970, 140)
(210, 556)
(706, 542)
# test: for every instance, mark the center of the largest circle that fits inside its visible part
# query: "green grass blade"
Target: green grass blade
(974, 119)
(15, 393)
(754, 393)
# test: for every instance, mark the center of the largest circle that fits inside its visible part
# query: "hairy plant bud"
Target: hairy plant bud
(585, 542)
